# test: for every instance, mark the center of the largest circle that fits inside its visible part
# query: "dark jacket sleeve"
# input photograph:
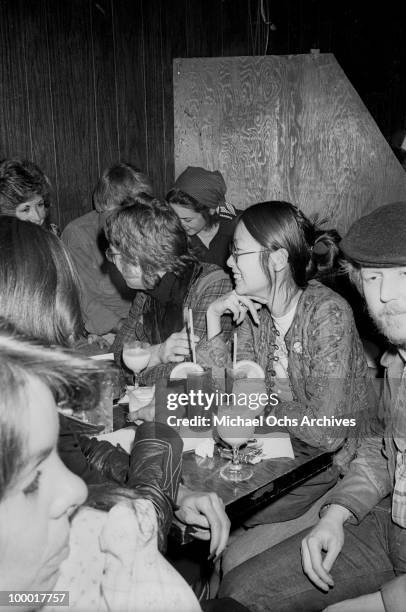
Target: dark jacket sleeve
(94, 461)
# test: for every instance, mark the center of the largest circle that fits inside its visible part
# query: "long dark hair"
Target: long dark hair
(39, 289)
(312, 251)
(60, 370)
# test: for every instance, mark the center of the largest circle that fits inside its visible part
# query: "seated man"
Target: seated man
(150, 248)
(363, 561)
(105, 298)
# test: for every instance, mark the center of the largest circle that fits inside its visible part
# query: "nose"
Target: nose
(389, 289)
(231, 261)
(70, 492)
(35, 215)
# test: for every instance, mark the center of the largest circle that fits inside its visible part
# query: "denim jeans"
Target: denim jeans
(243, 544)
(374, 552)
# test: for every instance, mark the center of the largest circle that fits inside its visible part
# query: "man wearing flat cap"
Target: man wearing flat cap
(354, 559)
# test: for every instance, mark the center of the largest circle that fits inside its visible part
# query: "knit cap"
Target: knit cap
(205, 186)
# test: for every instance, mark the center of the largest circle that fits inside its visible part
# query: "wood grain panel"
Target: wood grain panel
(156, 109)
(34, 43)
(174, 44)
(105, 95)
(130, 81)
(284, 127)
(14, 116)
(72, 87)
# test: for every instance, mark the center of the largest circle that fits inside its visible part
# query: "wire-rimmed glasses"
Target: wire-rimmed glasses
(235, 253)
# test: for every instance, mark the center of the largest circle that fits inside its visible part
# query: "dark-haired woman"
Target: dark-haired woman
(39, 297)
(198, 198)
(25, 192)
(303, 336)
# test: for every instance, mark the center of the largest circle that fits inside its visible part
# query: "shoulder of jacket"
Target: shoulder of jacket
(89, 218)
(317, 296)
(210, 273)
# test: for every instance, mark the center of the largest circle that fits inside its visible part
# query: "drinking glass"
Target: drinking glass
(241, 386)
(102, 414)
(136, 356)
(195, 382)
(235, 426)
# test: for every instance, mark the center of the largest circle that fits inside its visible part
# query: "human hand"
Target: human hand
(206, 512)
(327, 536)
(176, 347)
(237, 305)
(146, 413)
(100, 341)
(372, 602)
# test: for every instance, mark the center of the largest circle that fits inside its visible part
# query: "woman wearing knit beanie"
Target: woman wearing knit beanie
(198, 198)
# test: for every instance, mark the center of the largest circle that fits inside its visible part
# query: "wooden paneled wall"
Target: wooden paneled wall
(284, 127)
(85, 83)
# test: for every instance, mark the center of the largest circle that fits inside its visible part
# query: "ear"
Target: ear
(279, 259)
(212, 211)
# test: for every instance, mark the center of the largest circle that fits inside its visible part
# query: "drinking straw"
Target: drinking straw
(192, 335)
(235, 351)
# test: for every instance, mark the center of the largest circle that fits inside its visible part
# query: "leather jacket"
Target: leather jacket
(152, 470)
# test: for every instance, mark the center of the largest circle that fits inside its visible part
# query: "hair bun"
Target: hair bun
(320, 248)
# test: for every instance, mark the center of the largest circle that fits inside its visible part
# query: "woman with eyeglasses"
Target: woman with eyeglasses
(300, 332)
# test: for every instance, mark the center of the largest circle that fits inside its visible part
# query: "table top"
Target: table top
(272, 478)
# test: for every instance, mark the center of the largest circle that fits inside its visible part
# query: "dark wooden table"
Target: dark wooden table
(272, 479)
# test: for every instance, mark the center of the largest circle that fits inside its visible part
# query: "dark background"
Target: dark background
(86, 83)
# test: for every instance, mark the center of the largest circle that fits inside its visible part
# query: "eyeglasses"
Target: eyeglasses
(235, 254)
(112, 256)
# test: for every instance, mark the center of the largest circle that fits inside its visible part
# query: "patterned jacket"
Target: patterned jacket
(207, 283)
(328, 373)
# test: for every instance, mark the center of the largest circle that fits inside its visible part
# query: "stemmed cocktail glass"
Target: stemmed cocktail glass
(234, 426)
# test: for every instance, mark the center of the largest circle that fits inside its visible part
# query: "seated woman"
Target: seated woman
(39, 295)
(25, 192)
(39, 496)
(149, 247)
(198, 198)
(304, 337)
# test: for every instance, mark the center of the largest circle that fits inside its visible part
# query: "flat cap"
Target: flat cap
(205, 186)
(378, 239)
